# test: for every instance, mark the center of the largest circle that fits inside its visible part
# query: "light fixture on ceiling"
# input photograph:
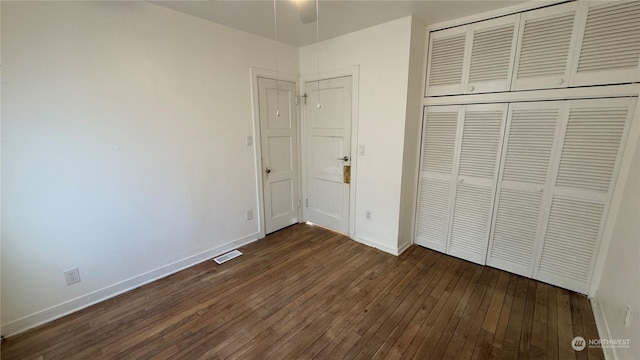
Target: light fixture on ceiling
(307, 10)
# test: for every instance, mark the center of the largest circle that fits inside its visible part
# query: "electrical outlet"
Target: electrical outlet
(250, 214)
(72, 276)
(627, 316)
(368, 215)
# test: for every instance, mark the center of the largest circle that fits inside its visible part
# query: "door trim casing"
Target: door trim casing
(255, 73)
(354, 72)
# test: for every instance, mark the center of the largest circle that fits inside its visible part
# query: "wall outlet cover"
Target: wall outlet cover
(72, 276)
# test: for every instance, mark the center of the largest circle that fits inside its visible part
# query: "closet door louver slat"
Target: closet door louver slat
(570, 243)
(515, 231)
(610, 44)
(491, 59)
(470, 222)
(490, 54)
(438, 146)
(433, 213)
(439, 141)
(544, 54)
(480, 147)
(446, 61)
(529, 141)
(591, 148)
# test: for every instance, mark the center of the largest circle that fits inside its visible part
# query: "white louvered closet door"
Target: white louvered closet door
(439, 134)
(610, 44)
(545, 50)
(447, 49)
(476, 175)
(492, 46)
(523, 185)
(592, 142)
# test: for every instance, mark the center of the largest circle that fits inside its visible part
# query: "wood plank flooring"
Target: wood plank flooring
(306, 292)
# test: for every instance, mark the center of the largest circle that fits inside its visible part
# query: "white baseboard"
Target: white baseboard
(603, 328)
(377, 245)
(79, 303)
(404, 247)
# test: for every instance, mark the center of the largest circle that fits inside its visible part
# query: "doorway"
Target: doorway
(327, 152)
(278, 119)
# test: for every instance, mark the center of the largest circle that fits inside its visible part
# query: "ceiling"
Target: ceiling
(337, 17)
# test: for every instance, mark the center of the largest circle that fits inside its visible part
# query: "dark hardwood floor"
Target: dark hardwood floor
(306, 292)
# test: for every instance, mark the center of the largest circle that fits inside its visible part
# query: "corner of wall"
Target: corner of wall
(411, 156)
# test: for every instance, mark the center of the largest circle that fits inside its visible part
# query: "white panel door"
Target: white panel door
(492, 45)
(592, 142)
(279, 145)
(439, 134)
(328, 152)
(545, 47)
(533, 129)
(476, 175)
(447, 60)
(609, 39)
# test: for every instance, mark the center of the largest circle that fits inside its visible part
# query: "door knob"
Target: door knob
(345, 158)
(268, 171)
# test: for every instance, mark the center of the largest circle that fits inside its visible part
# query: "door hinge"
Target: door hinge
(304, 96)
(306, 202)
(296, 99)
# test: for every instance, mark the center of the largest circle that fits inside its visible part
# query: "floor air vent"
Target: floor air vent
(228, 256)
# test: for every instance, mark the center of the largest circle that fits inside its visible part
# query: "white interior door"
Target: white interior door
(279, 145)
(328, 152)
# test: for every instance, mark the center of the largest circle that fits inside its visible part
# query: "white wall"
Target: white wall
(123, 148)
(620, 280)
(412, 135)
(382, 53)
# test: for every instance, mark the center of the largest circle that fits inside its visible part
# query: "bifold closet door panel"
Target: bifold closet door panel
(439, 134)
(476, 174)
(545, 48)
(447, 61)
(492, 45)
(609, 38)
(531, 132)
(589, 156)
